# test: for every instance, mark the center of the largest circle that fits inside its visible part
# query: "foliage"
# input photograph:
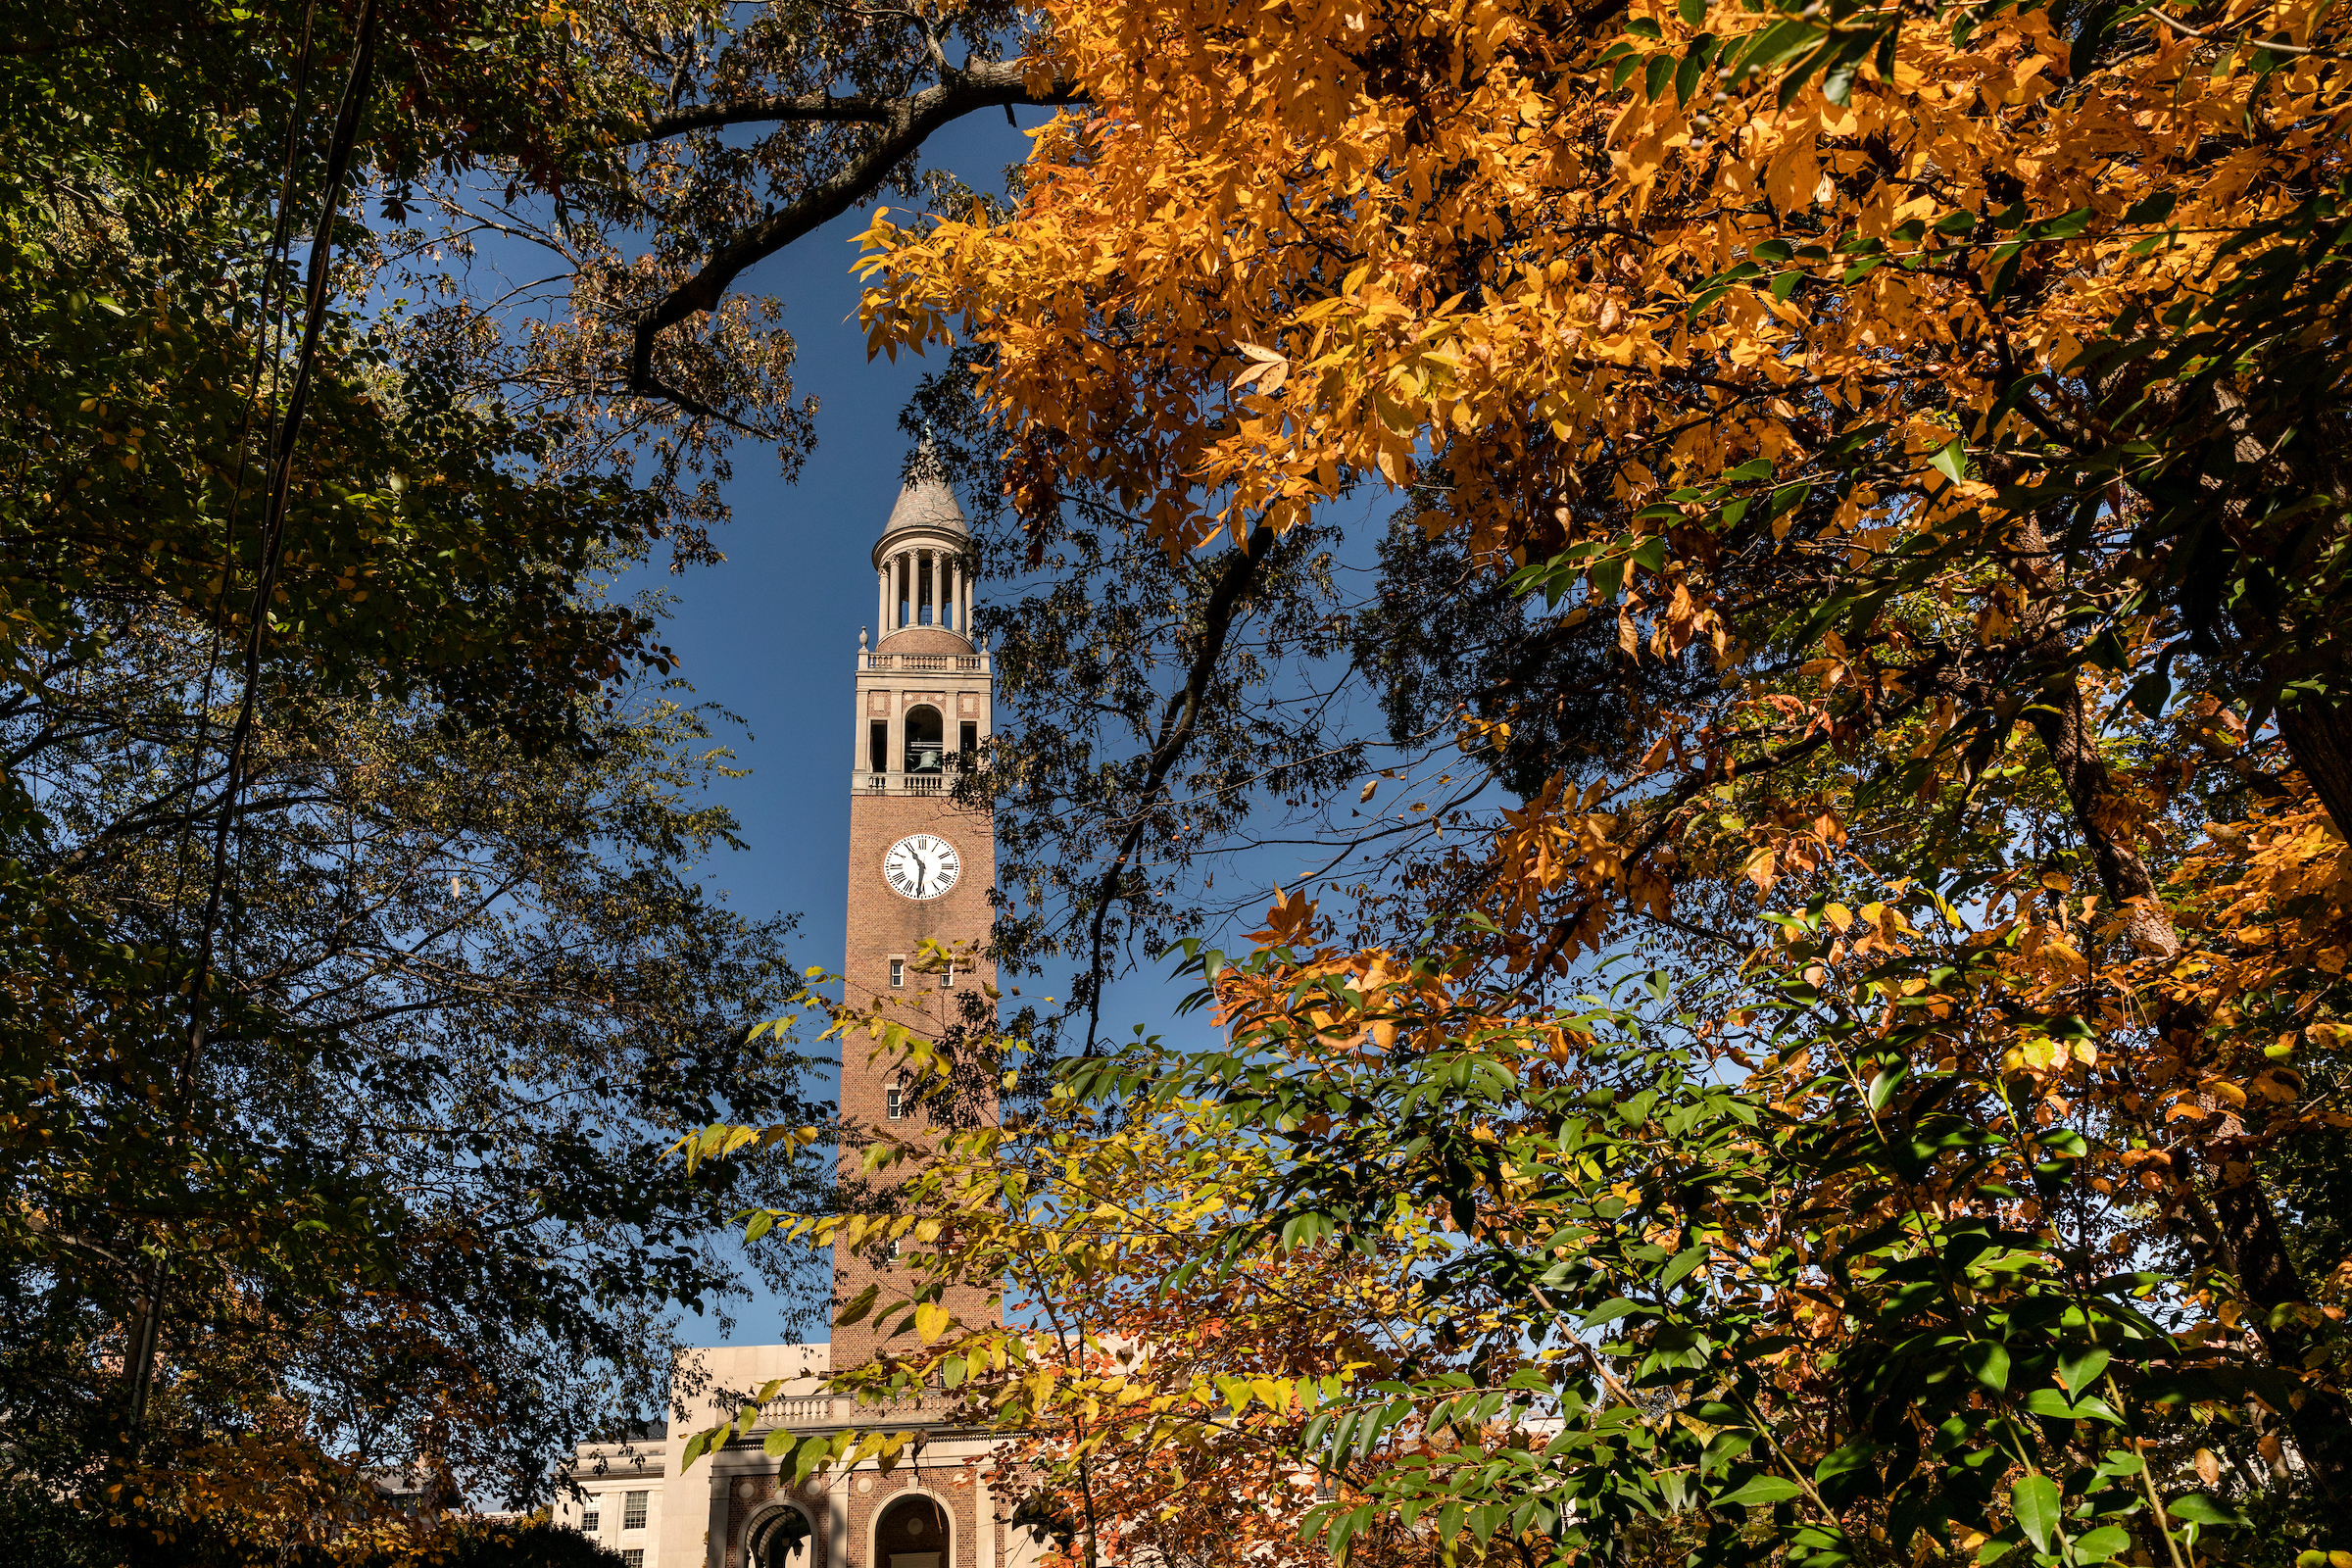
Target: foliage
(534, 1544)
(338, 1061)
(1923, 426)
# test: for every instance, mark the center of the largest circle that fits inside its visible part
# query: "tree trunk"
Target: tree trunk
(2319, 736)
(2265, 1272)
(2249, 1232)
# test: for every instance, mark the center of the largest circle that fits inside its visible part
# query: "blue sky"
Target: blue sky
(772, 633)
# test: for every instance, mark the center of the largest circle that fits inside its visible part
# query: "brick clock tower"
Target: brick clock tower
(920, 866)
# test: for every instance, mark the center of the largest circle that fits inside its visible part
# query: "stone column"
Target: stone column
(881, 601)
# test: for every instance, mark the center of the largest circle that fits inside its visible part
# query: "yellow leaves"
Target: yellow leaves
(1236, 1394)
(931, 1320)
(1793, 176)
(1267, 370)
(2226, 1091)
(720, 1141)
(1290, 920)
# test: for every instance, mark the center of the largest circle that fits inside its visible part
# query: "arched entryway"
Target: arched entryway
(912, 1533)
(781, 1537)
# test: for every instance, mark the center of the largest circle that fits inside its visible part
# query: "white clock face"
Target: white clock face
(921, 866)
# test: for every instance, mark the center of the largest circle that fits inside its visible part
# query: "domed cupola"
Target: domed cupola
(921, 566)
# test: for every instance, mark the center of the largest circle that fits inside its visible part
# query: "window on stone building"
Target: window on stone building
(633, 1557)
(632, 1511)
(969, 743)
(898, 971)
(947, 976)
(877, 746)
(894, 1102)
(591, 1516)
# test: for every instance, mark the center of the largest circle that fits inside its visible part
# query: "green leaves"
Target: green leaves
(2198, 1508)
(1760, 1492)
(1951, 460)
(2053, 1406)
(1680, 1266)
(2034, 1497)
(1609, 1313)
(2105, 1543)
(2079, 1372)
(1988, 1363)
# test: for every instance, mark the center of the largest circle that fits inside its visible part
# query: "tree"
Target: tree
(354, 943)
(1923, 428)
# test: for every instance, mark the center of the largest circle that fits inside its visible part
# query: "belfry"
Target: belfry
(920, 867)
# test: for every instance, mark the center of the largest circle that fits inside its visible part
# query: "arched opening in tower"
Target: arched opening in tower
(925, 733)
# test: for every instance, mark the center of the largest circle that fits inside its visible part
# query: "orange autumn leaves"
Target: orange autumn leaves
(1584, 294)
(1496, 250)
(1280, 254)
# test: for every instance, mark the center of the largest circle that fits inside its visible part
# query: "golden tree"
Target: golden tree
(1958, 392)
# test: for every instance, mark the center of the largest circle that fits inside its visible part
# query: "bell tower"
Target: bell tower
(920, 866)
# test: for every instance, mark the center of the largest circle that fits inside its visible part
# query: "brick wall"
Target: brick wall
(859, 1499)
(883, 925)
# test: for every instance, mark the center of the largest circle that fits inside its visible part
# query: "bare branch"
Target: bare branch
(1176, 729)
(906, 123)
(820, 108)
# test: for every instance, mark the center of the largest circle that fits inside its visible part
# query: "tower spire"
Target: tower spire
(924, 501)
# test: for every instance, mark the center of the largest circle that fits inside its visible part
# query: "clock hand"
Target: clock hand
(922, 873)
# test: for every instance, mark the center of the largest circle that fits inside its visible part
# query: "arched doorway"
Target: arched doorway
(781, 1537)
(911, 1533)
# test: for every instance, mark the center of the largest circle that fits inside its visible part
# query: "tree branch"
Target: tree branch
(1176, 728)
(907, 122)
(818, 108)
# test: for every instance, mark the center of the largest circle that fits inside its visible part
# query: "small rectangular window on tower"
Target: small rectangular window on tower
(947, 976)
(877, 746)
(894, 1102)
(898, 971)
(969, 742)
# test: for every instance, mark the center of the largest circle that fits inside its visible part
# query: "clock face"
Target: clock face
(922, 865)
